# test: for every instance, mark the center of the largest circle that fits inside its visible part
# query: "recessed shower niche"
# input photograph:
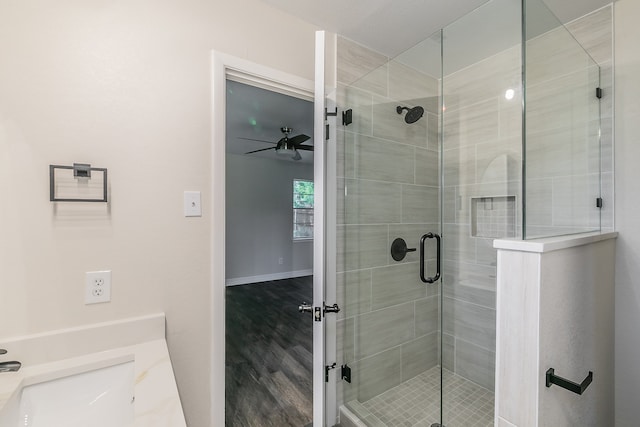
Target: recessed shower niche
(493, 217)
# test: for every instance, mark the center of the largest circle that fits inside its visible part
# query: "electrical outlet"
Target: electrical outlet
(97, 287)
(280, 260)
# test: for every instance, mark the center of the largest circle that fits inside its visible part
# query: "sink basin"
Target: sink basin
(98, 394)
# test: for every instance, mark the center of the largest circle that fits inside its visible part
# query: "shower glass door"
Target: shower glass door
(388, 196)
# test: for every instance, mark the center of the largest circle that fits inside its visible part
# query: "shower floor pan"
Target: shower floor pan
(416, 403)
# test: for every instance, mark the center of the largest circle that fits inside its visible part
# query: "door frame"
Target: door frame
(225, 66)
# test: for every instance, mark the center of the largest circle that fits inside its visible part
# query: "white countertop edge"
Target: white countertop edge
(157, 399)
(59, 344)
(549, 244)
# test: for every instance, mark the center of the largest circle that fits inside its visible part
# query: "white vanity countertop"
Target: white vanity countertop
(157, 403)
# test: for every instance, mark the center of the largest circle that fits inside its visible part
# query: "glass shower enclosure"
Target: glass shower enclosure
(488, 129)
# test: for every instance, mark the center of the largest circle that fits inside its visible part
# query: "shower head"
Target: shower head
(413, 114)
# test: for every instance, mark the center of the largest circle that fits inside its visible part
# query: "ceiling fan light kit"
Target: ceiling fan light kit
(287, 146)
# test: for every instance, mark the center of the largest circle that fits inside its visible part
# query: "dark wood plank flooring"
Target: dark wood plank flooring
(269, 373)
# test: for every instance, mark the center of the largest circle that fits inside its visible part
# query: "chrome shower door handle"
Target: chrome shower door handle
(422, 268)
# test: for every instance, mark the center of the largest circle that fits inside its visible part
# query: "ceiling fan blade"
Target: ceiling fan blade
(304, 147)
(262, 149)
(259, 140)
(297, 156)
(299, 139)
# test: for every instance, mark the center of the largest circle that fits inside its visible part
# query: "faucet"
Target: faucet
(11, 366)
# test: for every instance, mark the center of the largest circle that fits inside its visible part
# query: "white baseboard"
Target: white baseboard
(268, 277)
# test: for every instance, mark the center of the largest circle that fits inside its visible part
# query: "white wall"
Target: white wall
(627, 176)
(259, 226)
(126, 86)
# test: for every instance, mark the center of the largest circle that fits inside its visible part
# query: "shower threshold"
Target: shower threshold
(416, 403)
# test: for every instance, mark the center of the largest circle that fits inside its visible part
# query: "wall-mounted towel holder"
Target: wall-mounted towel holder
(565, 383)
(80, 170)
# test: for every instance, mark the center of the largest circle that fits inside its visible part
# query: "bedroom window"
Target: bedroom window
(302, 209)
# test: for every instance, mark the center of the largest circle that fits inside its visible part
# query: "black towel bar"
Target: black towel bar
(569, 385)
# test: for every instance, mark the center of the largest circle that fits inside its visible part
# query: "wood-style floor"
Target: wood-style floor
(269, 354)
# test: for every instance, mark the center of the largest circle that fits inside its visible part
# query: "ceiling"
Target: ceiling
(257, 113)
(392, 26)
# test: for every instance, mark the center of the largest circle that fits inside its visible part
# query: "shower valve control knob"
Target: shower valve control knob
(305, 308)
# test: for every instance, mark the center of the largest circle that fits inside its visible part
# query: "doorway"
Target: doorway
(269, 257)
(225, 68)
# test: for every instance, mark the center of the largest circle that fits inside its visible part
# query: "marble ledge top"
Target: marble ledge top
(550, 244)
(157, 401)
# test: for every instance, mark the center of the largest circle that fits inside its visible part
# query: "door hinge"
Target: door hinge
(345, 373)
(598, 92)
(347, 117)
(599, 202)
(332, 113)
(327, 368)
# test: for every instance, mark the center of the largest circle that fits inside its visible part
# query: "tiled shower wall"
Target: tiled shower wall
(388, 188)
(481, 156)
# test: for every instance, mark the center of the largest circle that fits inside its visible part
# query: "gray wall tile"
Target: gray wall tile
(476, 364)
(378, 373)
(396, 284)
(372, 202)
(457, 243)
(364, 246)
(345, 341)
(361, 104)
(420, 204)
(593, 32)
(419, 355)
(354, 60)
(427, 167)
(408, 83)
(483, 80)
(475, 284)
(472, 125)
(459, 165)
(448, 352)
(375, 82)
(353, 292)
(383, 329)
(470, 322)
(427, 315)
(383, 160)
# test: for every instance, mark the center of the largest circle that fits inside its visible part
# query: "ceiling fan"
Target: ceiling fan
(286, 146)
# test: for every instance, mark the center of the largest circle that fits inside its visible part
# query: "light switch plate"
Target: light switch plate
(192, 203)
